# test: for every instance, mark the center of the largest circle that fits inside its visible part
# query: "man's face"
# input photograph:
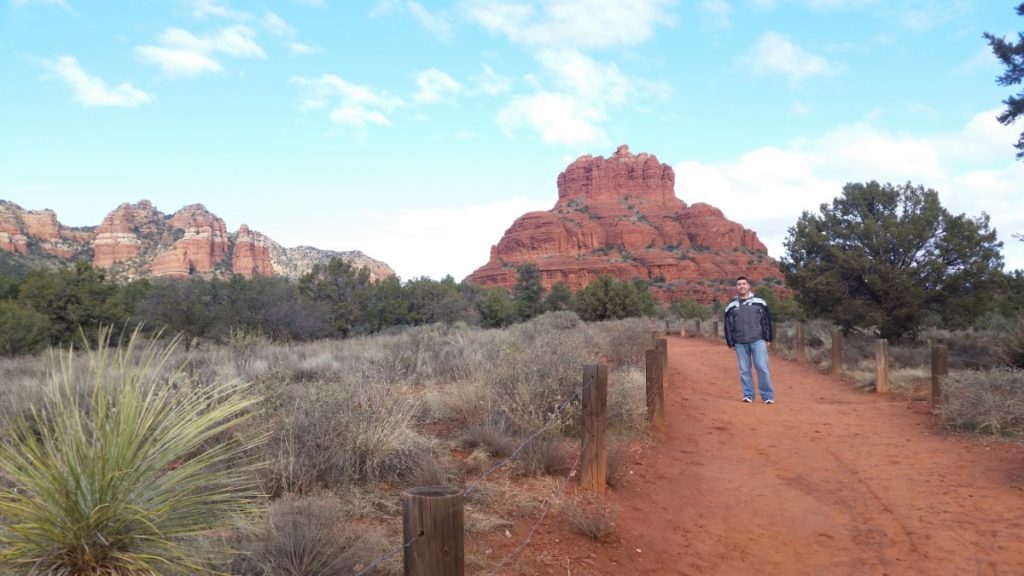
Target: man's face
(743, 287)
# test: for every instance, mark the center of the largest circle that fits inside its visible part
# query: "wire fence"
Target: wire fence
(552, 420)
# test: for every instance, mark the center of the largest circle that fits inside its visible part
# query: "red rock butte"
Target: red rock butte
(620, 217)
(137, 240)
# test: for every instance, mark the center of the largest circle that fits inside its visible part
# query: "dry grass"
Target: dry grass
(590, 515)
(986, 402)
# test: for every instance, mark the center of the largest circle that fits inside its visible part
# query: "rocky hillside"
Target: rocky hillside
(620, 216)
(137, 240)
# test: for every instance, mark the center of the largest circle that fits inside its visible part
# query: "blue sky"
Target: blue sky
(418, 131)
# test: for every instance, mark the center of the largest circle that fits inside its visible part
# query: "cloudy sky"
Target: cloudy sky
(417, 131)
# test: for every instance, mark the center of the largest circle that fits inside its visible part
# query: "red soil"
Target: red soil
(827, 481)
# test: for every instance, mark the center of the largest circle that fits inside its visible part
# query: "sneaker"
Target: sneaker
(748, 399)
(770, 401)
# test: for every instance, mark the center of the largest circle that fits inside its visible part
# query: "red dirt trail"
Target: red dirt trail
(828, 480)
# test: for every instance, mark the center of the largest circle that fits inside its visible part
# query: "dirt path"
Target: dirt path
(826, 481)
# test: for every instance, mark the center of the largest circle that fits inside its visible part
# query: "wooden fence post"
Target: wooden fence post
(594, 454)
(801, 351)
(882, 366)
(696, 330)
(661, 345)
(714, 330)
(433, 521)
(837, 353)
(667, 327)
(655, 390)
(940, 368)
(682, 327)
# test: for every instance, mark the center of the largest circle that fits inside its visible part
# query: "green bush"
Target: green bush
(123, 467)
(22, 329)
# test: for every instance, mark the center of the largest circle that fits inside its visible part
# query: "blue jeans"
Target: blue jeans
(758, 351)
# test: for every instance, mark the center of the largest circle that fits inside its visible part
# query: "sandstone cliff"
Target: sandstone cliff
(37, 232)
(137, 240)
(620, 216)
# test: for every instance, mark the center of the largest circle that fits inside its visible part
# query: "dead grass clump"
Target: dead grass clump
(308, 536)
(986, 402)
(618, 464)
(326, 433)
(492, 438)
(590, 515)
(627, 402)
(545, 454)
(1010, 346)
(623, 342)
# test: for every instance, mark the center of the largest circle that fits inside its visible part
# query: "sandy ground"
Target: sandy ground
(828, 480)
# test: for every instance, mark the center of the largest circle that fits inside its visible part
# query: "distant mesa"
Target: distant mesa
(620, 216)
(137, 240)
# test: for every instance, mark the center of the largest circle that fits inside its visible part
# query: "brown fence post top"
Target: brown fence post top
(433, 491)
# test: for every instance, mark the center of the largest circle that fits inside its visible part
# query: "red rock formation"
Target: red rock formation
(19, 228)
(251, 254)
(203, 246)
(137, 240)
(120, 236)
(619, 216)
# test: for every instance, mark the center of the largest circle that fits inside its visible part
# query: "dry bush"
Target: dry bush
(492, 437)
(307, 536)
(1010, 346)
(987, 402)
(545, 454)
(590, 515)
(533, 372)
(326, 433)
(623, 342)
(627, 402)
(618, 464)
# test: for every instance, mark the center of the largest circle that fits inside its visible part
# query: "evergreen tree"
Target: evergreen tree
(1011, 54)
(529, 292)
(889, 256)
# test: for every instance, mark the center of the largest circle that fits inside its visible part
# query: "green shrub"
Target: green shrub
(122, 467)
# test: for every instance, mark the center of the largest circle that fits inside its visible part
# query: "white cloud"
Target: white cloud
(92, 90)
(435, 24)
(492, 83)
(204, 8)
(767, 189)
(435, 86)
(463, 235)
(571, 23)
(559, 118)
(716, 12)
(298, 48)
(182, 53)
(583, 93)
(774, 55)
(277, 25)
(352, 104)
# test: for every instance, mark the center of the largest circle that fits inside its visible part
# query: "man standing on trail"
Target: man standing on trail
(748, 329)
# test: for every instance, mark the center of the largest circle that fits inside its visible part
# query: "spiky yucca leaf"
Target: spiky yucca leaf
(122, 466)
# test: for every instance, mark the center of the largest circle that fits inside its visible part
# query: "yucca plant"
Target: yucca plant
(124, 467)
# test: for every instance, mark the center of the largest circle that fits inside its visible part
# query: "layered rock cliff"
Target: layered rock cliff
(137, 240)
(620, 216)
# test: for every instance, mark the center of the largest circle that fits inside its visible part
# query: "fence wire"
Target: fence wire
(551, 421)
(547, 506)
(387, 556)
(469, 490)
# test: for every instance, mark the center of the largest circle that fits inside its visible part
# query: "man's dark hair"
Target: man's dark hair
(742, 278)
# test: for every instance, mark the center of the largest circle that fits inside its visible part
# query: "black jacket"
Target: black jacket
(763, 319)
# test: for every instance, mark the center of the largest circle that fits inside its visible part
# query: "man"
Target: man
(748, 329)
